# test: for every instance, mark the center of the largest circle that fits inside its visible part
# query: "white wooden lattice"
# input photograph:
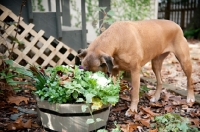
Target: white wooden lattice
(37, 49)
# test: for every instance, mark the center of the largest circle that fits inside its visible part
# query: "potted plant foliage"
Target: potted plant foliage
(72, 99)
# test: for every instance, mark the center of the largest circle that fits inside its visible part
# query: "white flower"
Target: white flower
(102, 81)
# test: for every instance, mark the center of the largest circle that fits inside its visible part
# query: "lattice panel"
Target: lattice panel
(36, 49)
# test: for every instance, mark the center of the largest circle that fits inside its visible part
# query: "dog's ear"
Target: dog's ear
(108, 60)
(82, 53)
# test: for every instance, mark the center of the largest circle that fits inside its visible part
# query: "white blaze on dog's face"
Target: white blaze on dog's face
(95, 62)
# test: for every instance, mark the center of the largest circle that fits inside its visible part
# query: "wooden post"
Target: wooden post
(66, 13)
(30, 13)
(59, 31)
(49, 5)
(84, 41)
(183, 19)
(167, 10)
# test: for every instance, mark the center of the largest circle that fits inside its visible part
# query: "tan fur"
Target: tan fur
(130, 45)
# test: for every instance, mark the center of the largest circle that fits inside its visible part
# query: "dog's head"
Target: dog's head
(94, 61)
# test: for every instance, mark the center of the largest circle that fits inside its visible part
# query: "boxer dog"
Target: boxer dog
(128, 46)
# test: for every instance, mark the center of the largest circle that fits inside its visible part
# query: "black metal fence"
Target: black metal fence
(179, 11)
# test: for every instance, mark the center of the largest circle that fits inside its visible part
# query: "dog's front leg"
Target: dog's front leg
(135, 81)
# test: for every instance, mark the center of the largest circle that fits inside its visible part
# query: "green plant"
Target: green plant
(12, 75)
(117, 129)
(72, 84)
(69, 84)
(76, 17)
(107, 19)
(92, 15)
(172, 122)
(120, 10)
(143, 89)
(38, 6)
(192, 33)
(131, 9)
(39, 77)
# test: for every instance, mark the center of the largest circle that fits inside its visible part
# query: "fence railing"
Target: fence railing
(180, 12)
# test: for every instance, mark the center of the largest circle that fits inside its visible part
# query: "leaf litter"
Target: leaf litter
(139, 122)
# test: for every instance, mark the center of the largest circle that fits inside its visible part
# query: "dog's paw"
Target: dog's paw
(190, 97)
(190, 100)
(129, 113)
(154, 99)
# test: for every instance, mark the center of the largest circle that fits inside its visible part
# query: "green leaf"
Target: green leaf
(89, 97)
(84, 107)
(75, 95)
(23, 71)
(42, 98)
(21, 42)
(80, 100)
(99, 119)
(183, 126)
(9, 62)
(90, 121)
(100, 8)
(102, 130)
(16, 88)
(109, 21)
(111, 13)
(64, 100)
(164, 120)
(9, 75)
(12, 82)
(95, 107)
(113, 99)
(103, 8)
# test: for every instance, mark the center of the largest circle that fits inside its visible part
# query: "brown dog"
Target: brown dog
(129, 45)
